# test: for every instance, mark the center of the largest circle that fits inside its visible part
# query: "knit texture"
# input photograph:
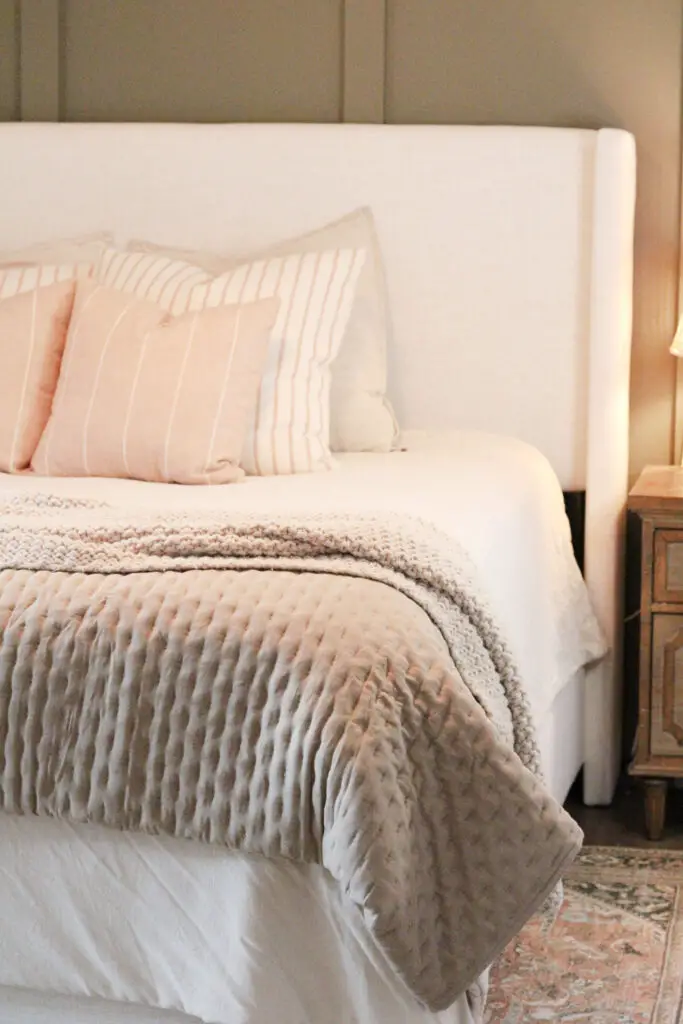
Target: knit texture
(323, 688)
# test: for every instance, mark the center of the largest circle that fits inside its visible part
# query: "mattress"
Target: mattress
(151, 922)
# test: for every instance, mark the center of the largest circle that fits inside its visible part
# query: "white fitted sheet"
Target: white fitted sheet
(496, 495)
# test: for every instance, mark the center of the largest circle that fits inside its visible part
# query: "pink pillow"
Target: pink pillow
(146, 395)
(33, 330)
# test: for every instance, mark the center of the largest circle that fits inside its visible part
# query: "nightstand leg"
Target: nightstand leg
(655, 807)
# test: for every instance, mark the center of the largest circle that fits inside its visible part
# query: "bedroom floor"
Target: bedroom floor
(622, 824)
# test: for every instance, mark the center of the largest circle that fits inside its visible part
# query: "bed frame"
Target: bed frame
(509, 261)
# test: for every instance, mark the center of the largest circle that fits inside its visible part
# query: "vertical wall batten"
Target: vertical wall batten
(39, 64)
(9, 60)
(17, 60)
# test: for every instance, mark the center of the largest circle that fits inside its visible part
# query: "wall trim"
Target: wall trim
(364, 61)
(39, 60)
(40, 86)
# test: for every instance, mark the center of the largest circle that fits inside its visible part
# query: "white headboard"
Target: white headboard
(508, 255)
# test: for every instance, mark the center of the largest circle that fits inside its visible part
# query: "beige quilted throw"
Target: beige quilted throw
(328, 689)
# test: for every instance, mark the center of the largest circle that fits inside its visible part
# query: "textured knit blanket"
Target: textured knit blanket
(325, 689)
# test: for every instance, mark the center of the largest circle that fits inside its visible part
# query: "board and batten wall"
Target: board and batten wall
(585, 63)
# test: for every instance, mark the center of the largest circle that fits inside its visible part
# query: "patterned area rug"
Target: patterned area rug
(613, 956)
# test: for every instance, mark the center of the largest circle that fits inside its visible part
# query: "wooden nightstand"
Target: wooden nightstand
(657, 498)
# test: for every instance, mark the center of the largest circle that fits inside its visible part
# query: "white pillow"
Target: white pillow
(361, 416)
(289, 432)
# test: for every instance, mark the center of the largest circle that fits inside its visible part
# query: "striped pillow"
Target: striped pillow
(146, 395)
(33, 328)
(24, 277)
(361, 415)
(290, 428)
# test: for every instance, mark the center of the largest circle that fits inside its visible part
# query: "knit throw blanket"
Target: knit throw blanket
(328, 689)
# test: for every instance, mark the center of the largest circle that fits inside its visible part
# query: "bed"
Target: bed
(509, 265)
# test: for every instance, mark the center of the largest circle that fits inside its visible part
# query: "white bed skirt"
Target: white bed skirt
(560, 735)
(18, 1006)
(177, 925)
(151, 924)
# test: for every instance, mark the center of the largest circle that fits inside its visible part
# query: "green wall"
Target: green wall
(9, 60)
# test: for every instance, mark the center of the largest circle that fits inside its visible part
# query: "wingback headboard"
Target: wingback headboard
(508, 255)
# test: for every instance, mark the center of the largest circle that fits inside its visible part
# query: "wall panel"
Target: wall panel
(363, 65)
(9, 60)
(39, 60)
(569, 62)
(198, 60)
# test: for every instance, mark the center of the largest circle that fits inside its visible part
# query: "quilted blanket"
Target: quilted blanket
(324, 688)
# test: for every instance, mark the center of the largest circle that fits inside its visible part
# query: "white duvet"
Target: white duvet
(226, 939)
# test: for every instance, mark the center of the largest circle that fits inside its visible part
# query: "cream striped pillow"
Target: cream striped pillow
(290, 428)
(146, 395)
(361, 415)
(18, 278)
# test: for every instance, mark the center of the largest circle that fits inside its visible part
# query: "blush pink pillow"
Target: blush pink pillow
(150, 396)
(33, 331)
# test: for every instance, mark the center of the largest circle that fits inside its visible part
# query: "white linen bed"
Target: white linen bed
(509, 267)
(93, 932)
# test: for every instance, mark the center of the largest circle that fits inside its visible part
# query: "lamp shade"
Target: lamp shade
(677, 344)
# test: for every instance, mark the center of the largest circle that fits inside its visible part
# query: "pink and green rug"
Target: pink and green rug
(613, 956)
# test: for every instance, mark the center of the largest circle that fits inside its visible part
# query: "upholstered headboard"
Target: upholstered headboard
(508, 254)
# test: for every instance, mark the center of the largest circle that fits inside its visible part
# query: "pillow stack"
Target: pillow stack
(193, 368)
(361, 416)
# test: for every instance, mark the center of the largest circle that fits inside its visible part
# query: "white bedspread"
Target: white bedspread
(496, 495)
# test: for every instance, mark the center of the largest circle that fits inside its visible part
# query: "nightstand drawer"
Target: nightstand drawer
(668, 559)
(655, 545)
(666, 722)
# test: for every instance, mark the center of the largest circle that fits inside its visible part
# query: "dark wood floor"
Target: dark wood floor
(622, 823)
